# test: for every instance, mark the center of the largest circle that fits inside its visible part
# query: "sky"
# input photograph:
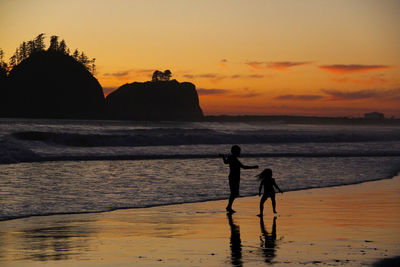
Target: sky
(258, 57)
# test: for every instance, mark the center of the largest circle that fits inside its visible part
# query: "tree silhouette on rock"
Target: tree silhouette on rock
(28, 48)
(159, 76)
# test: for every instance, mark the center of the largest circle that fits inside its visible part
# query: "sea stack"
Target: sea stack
(50, 84)
(155, 100)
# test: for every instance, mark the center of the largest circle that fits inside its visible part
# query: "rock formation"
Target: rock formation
(160, 100)
(50, 84)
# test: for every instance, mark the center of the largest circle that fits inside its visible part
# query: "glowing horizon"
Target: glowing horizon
(336, 58)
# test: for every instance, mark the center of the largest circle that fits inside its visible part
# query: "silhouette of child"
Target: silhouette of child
(269, 183)
(234, 174)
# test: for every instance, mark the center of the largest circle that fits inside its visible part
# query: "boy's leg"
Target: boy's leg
(234, 187)
(230, 202)
(273, 204)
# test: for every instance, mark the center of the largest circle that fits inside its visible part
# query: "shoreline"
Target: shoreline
(343, 225)
(183, 203)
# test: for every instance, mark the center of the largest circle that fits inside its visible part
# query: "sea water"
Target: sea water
(67, 166)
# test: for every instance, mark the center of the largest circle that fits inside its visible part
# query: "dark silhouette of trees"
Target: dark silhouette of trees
(156, 75)
(167, 75)
(38, 43)
(3, 65)
(75, 54)
(26, 49)
(159, 76)
(89, 63)
(53, 43)
(58, 46)
(62, 47)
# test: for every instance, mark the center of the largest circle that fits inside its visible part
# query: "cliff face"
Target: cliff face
(53, 85)
(163, 100)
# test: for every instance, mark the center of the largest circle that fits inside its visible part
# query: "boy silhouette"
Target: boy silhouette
(234, 174)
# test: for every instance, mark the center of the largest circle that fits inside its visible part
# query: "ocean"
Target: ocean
(76, 166)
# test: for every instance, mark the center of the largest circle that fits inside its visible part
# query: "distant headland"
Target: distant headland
(303, 120)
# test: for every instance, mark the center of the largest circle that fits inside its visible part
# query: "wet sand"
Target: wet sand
(348, 225)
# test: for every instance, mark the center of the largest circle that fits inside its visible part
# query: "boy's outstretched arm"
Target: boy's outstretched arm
(259, 189)
(248, 167)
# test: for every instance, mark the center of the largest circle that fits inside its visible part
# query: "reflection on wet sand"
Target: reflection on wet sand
(235, 243)
(49, 242)
(268, 241)
(201, 234)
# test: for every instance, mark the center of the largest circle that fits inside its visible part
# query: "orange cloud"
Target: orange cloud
(366, 81)
(125, 76)
(251, 76)
(130, 73)
(391, 94)
(299, 97)
(352, 68)
(224, 63)
(214, 77)
(285, 65)
(202, 91)
(118, 74)
(258, 65)
(277, 65)
(245, 93)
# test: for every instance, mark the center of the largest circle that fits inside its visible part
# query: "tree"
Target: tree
(3, 64)
(83, 59)
(14, 59)
(53, 43)
(75, 55)
(166, 75)
(159, 76)
(63, 48)
(39, 42)
(31, 47)
(58, 46)
(93, 66)
(2, 57)
(156, 76)
(26, 49)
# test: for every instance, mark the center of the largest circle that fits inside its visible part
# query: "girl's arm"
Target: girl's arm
(277, 187)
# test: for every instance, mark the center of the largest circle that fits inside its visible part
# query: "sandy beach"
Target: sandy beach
(352, 225)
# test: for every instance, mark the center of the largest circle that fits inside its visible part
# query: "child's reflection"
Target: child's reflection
(236, 243)
(268, 241)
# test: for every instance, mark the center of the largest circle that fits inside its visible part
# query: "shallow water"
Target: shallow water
(68, 166)
(91, 186)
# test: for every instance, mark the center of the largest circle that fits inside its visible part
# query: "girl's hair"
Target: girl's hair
(264, 174)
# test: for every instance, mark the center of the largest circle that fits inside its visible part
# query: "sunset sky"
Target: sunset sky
(264, 57)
